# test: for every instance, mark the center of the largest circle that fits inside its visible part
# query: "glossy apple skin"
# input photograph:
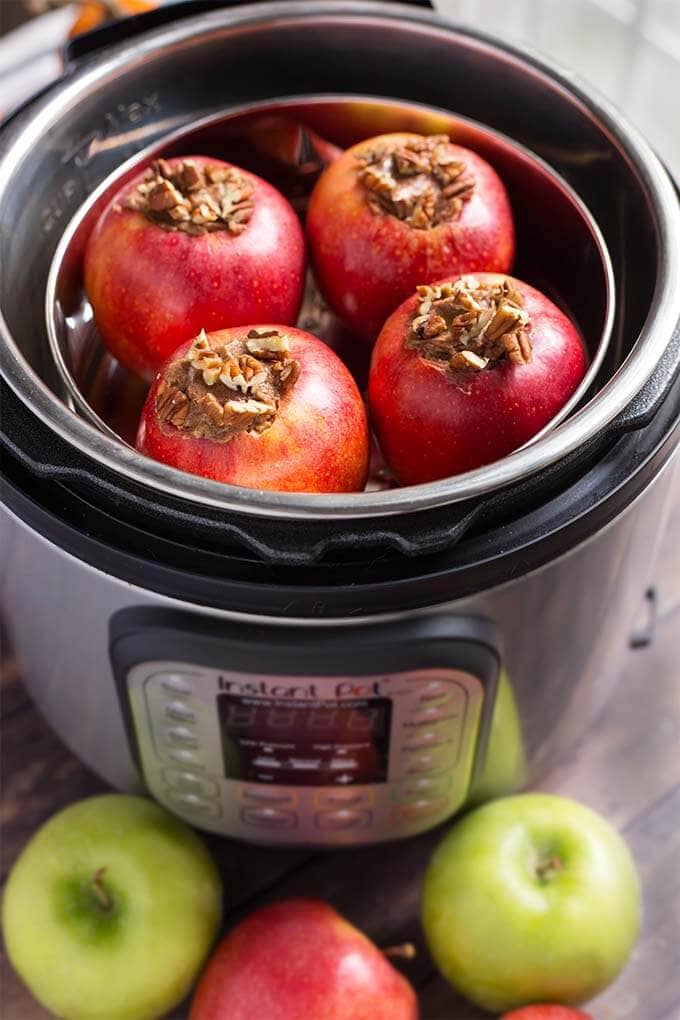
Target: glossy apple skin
(431, 425)
(504, 936)
(136, 960)
(367, 263)
(151, 289)
(547, 1012)
(299, 960)
(318, 443)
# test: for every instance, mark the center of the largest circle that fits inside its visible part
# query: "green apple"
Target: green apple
(111, 909)
(505, 767)
(533, 898)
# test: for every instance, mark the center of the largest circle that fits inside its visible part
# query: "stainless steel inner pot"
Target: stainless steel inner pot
(569, 261)
(133, 94)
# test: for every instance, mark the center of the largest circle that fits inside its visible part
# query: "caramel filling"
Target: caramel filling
(218, 390)
(420, 181)
(194, 199)
(471, 326)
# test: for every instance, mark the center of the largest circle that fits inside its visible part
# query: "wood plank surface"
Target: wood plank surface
(378, 887)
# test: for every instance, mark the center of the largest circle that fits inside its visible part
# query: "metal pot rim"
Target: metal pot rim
(617, 393)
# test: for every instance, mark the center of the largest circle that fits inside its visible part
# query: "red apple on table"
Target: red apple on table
(399, 210)
(467, 370)
(192, 243)
(299, 960)
(266, 407)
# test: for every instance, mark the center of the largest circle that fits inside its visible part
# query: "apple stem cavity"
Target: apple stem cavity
(548, 867)
(405, 951)
(103, 897)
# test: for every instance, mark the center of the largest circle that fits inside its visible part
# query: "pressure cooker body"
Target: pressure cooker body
(337, 669)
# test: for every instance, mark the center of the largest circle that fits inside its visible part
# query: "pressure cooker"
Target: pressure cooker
(329, 669)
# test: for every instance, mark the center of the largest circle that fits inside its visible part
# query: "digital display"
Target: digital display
(305, 742)
(337, 723)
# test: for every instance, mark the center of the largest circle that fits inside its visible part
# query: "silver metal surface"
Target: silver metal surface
(61, 150)
(430, 755)
(586, 290)
(565, 630)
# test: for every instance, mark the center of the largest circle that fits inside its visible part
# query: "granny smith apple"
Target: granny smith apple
(111, 909)
(504, 769)
(533, 898)
(550, 1012)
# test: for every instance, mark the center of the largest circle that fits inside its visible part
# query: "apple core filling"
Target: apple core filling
(193, 198)
(420, 181)
(218, 389)
(470, 325)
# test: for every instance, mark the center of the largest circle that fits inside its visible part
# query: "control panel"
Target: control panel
(309, 759)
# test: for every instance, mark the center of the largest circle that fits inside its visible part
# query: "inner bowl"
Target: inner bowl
(560, 249)
(135, 92)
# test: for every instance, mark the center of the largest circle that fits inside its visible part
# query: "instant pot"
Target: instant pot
(335, 669)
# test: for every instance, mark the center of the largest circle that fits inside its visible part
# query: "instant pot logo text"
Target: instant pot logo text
(120, 130)
(305, 691)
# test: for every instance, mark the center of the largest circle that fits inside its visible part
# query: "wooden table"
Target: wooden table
(378, 888)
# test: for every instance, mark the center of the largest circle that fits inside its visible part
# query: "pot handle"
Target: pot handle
(113, 32)
(643, 408)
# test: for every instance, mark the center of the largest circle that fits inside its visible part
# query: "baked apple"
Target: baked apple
(266, 407)
(467, 370)
(399, 210)
(192, 243)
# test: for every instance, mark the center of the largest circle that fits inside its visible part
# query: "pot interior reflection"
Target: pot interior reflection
(559, 248)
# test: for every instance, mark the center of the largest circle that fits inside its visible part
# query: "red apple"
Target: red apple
(267, 407)
(299, 960)
(547, 1013)
(192, 243)
(467, 370)
(402, 209)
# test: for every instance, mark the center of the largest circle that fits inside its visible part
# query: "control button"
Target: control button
(187, 782)
(349, 797)
(435, 690)
(269, 818)
(420, 809)
(343, 763)
(422, 788)
(345, 818)
(179, 711)
(181, 735)
(265, 795)
(174, 683)
(192, 802)
(267, 763)
(188, 758)
(431, 762)
(304, 763)
(430, 738)
(432, 714)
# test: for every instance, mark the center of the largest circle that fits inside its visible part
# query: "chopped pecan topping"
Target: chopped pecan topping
(220, 389)
(467, 325)
(420, 181)
(194, 199)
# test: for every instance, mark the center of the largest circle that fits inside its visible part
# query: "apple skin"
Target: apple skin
(504, 936)
(505, 768)
(431, 425)
(299, 960)
(367, 263)
(141, 958)
(318, 443)
(547, 1013)
(151, 288)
